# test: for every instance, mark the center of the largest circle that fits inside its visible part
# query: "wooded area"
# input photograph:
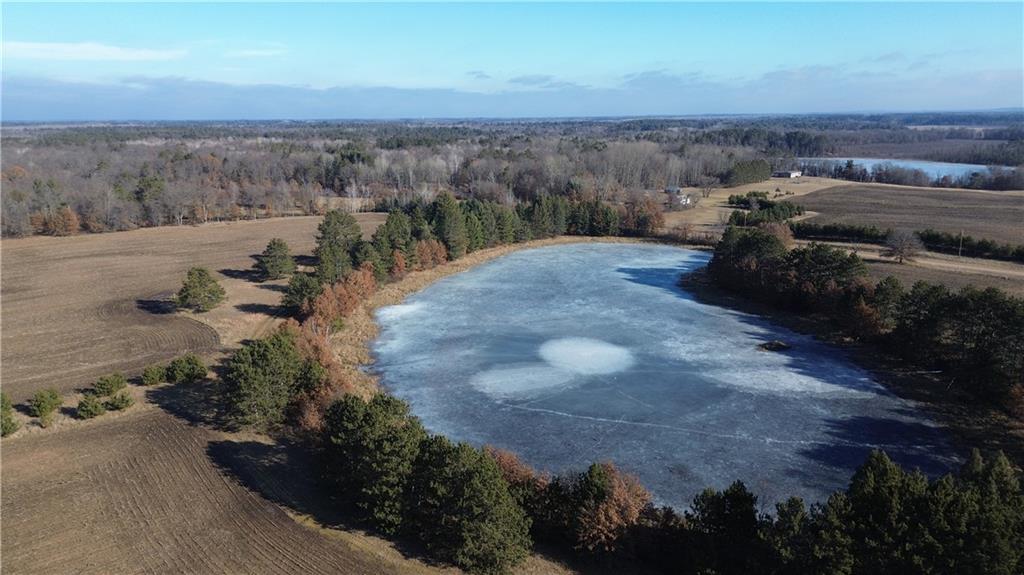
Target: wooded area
(62, 180)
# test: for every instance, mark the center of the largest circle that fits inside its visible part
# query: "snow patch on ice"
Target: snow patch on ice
(521, 381)
(392, 312)
(586, 356)
(732, 360)
(763, 379)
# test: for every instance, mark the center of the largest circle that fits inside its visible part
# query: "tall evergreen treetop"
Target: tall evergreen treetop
(461, 508)
(276, 261)
(200, 291)
(450, 226)
(371, 446)
(336, 236)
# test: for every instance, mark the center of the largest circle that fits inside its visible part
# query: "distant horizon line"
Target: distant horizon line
(502, 119)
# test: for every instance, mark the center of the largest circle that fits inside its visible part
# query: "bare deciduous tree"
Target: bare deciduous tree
(707, 184)
(902, 245)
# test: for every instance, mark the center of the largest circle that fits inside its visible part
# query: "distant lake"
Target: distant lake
(933, 169)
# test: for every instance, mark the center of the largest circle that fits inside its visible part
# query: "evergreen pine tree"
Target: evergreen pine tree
(199, 292)
(276, 261)
(365, 253)
(370, 449)
(449, 225)
(489, 224)
(336, 236)
(264, 376)
(474, 233)
(421, 229)
(461, 508)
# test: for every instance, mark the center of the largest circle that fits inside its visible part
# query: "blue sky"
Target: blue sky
(255, 61)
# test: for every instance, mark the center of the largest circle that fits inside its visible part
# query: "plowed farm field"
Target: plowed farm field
(142, 494)
(996, 216)
(77, 308)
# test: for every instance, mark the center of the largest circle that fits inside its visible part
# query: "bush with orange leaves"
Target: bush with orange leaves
(311, 404)
(780, 230)
(596, 508)
(430, 253)
(607, 515)
(325, 313)
(525, 484)
(399, 267)
(63, 222)
(643, 217)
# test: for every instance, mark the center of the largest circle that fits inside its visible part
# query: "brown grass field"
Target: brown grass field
(77, 308)
(710, 213)
(953, 279)
(994, 215)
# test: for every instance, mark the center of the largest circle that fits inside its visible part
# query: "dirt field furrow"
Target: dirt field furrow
(146, 498)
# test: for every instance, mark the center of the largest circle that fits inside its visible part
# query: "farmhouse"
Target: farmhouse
(676, 197)
(787, 174)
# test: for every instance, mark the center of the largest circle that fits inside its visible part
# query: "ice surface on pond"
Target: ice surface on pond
(580, 353)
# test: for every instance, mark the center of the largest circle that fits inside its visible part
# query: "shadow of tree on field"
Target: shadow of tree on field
(156, 306)
(285, 472)
(249, 275)
(279, 288)
(199, 403)
(261, 308)
(282, 471)
(306, 260)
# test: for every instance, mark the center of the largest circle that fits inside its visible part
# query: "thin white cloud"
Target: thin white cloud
(93, 51)
(256, 52)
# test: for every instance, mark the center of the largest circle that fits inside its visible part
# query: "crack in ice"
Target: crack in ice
(736, 436)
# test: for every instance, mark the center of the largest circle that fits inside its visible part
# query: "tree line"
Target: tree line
(483, 509)
(62, 181)
(113, 181)
(975, 337)
(934, 240)
(420, 235)
(1010, 153)
(758, 209)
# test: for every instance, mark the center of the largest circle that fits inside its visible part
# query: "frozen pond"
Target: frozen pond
(572, 354)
